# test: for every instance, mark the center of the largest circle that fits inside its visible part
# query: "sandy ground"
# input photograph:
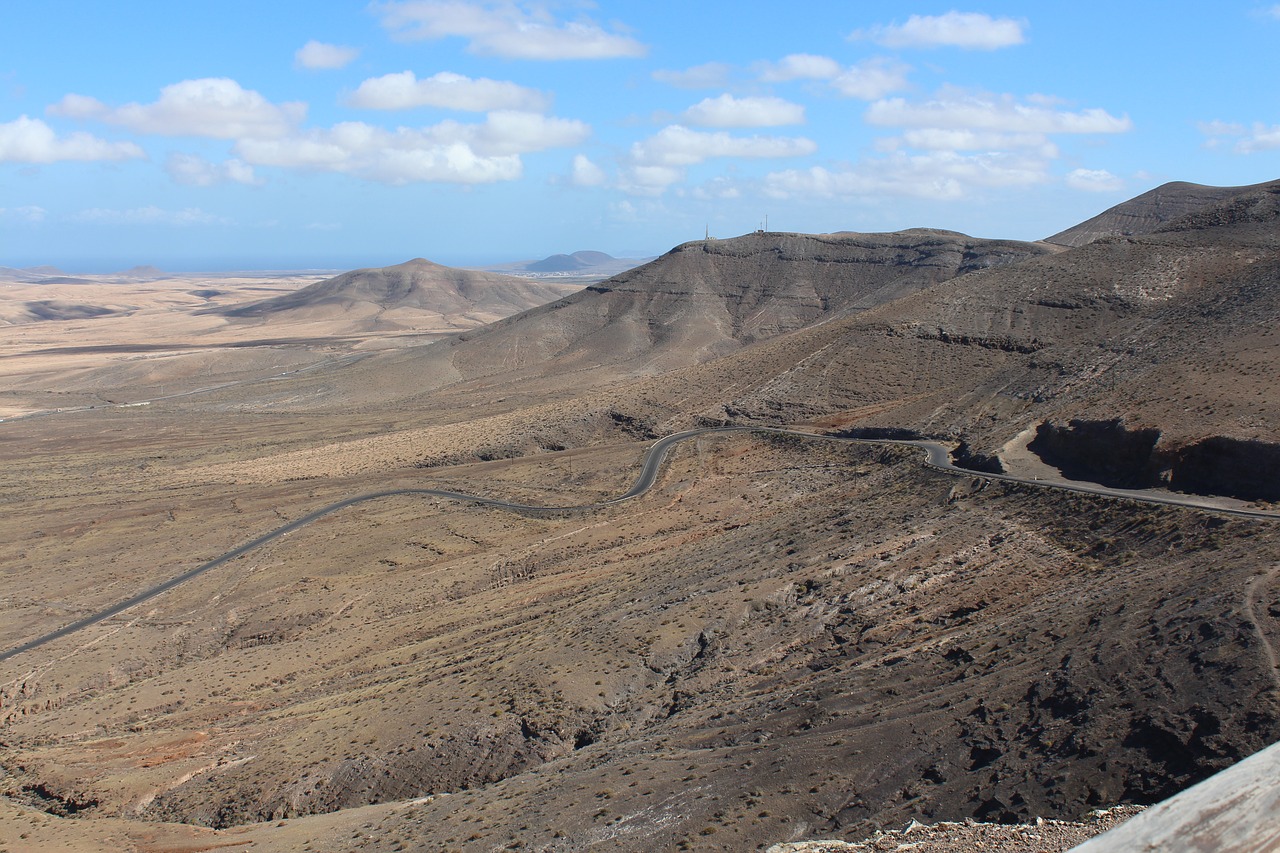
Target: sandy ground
(106, 340)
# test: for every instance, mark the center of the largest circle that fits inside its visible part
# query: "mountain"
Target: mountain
(707, 298)
(30, 274)
(417, 294)
(571, 263)
(931, 332)
(1160, 348)
(785, 638)
(66, 279)
(1145, 213)
(58, 309)
(582, 266)
(142, 273)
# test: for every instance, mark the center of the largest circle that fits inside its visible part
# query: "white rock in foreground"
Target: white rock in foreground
(1237, 810)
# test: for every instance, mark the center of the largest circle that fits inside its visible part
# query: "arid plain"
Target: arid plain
(785, 638)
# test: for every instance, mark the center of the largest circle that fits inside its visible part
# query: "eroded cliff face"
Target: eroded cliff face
(1117, 455)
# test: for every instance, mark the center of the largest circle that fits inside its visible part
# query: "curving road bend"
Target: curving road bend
(938, 457)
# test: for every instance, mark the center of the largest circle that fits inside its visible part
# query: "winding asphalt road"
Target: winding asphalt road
(938, 456)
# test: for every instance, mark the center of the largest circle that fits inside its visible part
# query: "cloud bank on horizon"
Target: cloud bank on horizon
(471, 129)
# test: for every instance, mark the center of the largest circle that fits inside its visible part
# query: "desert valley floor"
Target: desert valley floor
(785, 638)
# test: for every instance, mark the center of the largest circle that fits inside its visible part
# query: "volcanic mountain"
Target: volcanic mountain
(879, 330)
(29, 274)
(583, 265)
(882, 331)
(570, 263)
(417, 294)
(1145, 213)
(1162, 346)
(708, 298)
(699, 302)
(786, 638)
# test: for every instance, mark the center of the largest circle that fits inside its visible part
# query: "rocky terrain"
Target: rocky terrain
(417, 294)
(966, 836)
(1145, 213)
(788, 638)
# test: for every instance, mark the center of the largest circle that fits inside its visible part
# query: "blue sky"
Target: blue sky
(237, 135)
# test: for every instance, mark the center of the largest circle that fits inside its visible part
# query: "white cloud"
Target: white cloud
(448, 152)
(512, 132)
(445, 89)
(941, 176)
(710, 75)
(215, 107)
(1094, 180)
(962, 139)
(194, 171)
(654, 164)
(79, 107)
(728, 111)
(718, 189)
(968, 30)
(150, 215)
(1260, 138)
(871, 79)
(1001, 113)
(1274, 12)
(1248, 140)
(586, 173)
(30, 140)
(640, 179)
(958, 143)
(316, 55)
(676, 145)
(1221, 128)
(505, 29)
(798, 66)
(27, 213)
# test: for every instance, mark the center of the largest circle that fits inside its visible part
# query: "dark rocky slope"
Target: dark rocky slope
(1146, 213)
(1174, 332)
(711, 297)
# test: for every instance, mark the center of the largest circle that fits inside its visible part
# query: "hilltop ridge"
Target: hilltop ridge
(415, 294)
(1148, 212)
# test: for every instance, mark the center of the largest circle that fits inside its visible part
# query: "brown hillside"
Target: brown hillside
(415, 294)
(1173, 331)
(1146, 213)
(711, 297)
(1170, 331)
(785, 638)
(701, 301)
